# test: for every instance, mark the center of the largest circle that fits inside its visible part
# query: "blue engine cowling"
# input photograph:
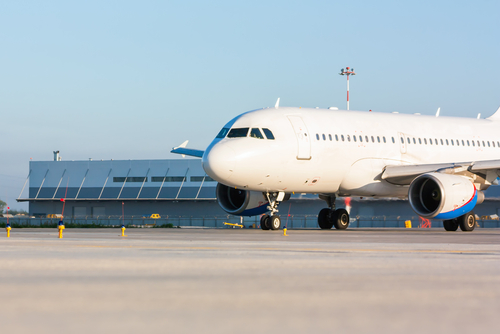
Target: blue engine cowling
(443, 196)
(241, 202)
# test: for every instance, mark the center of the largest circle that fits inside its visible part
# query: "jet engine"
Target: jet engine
(443, 196)
(241, 202)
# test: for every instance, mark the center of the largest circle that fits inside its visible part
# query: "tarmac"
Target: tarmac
(250, 281)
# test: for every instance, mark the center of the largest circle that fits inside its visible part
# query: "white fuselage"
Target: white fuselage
(342, 152)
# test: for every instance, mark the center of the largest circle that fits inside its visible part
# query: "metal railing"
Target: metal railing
(290, 222)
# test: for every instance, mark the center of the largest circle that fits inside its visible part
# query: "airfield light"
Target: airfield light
(348, 71)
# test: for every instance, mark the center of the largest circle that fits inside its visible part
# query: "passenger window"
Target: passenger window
(383, 138)
(414, 141)
(222, 133)
(336, 137)
(425, 141)
(430, 141)
(270, 135)
(238, 132)
(317, 136)
(330, 137)
(408, 140)
(420, 141)
(324, 137)
(468, 143)
(483, 144)
(354, 137)
(436, 141)
(463, 144)
(366, 139)
(498, 144)
(442, 143)
(373, 139)
(493, 143)
(488, 143)
(452, 144)
(478, 143)
(402, 140)
(360, 139)
(473, 143)
(378, 139)
(348, 138)
(255, 133)
(393, 141)
(342, 136)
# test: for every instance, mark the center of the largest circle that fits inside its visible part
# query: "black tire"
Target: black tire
(467, 222)
(450, 225)
(274, 222)
(341, 219)
(264, 222)
(325, 219)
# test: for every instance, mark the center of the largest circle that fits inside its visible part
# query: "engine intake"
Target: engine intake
(241, 202)
(443, 196)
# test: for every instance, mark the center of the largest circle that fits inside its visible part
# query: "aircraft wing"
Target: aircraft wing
(181, 149)
(403, 175)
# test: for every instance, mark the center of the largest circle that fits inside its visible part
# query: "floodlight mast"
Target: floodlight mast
(348, 71)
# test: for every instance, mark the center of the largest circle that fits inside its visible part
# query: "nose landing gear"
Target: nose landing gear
(272, 221)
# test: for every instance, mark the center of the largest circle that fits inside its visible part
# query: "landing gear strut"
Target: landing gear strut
(329, 217)
(272, 221)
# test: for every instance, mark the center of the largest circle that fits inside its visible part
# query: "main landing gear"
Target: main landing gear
(329, 217)
(273, 221)
(466, 223)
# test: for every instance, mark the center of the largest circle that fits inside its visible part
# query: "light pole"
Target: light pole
(348, 71)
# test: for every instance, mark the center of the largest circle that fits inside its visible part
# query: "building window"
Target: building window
(201, 178)
(130, 179)
(168, 178)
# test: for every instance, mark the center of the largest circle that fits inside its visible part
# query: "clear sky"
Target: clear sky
(131, 79)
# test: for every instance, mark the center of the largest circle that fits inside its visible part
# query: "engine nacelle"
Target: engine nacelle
(241, 202)
(443, 196)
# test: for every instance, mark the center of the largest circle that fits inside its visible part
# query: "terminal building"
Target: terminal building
(170, 188)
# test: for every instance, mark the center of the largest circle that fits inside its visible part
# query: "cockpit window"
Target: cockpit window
(237, 132)
(268, 133)
(222, 133)
(255, 133)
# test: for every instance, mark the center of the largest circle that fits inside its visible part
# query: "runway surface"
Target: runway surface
(250, 281)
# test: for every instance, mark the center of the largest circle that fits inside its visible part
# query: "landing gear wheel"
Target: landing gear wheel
(325, 219)
(274, 222)
(450, 225)
(467, 222)
(264, 222)
(341, 219)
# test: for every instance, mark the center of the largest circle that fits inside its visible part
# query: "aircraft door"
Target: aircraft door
(402, 142)
(303, 138)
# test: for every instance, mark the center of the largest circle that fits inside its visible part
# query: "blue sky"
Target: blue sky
(131, 79)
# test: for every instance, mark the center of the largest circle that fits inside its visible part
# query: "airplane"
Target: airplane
(442, 165)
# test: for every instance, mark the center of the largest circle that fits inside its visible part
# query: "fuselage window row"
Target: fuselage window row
(453, 142)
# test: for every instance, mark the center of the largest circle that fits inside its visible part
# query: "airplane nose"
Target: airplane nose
(219, 161)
